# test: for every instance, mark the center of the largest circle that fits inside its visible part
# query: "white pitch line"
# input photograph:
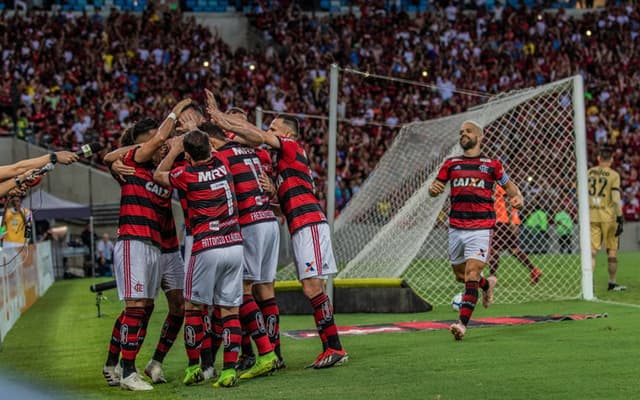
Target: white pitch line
(616, 303)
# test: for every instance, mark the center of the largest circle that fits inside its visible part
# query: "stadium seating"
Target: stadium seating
(374, 107)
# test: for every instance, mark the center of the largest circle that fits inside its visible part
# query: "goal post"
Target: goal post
(393, 228)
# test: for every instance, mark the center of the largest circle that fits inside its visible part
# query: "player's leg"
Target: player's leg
(315, 261)
(206, 349)
(172, 283)
(228, 296)
(140, 286)
(264, 290)
(612, 243)
(500, 244)
(198, 292)
(476, 251)
(596, 242)
(265, 296)
(193, 335)
(251, 317)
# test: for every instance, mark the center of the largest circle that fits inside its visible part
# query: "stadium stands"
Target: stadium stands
(73, 79)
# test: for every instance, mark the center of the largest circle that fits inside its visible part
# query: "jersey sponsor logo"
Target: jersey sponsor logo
(468, 182)
(213, 174)
(157, 190)
(177, 173)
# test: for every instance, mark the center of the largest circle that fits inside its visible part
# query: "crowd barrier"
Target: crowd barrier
(25, 275)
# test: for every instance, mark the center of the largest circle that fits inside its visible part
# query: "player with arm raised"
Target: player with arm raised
(472, 217)
(605, 211)
(144, 206)
(214, 275)
(307, 223)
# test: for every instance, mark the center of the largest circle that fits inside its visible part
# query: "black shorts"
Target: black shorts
(504, 238)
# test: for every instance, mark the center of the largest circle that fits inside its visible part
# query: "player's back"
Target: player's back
(296, 189)
(145, 206)
(211, 204)
(602, 182)
(246, 168)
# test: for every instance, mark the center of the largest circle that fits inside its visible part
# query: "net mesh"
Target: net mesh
(393, 228)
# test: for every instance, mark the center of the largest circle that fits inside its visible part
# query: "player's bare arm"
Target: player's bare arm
(117, 154)
(515, 197)
(436, 188)
(161, 175)
(248, 133)
(147, 150)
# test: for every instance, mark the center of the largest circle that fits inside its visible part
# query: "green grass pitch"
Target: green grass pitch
(60, 345)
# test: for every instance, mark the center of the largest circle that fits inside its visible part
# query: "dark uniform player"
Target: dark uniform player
(472, 217)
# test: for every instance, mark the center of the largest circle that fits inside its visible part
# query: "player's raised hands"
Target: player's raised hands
(188, 122)
(176, 144)
(182, 104)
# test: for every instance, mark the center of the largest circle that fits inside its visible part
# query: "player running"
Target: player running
(472, 217)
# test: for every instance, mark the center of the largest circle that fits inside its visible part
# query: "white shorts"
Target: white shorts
(261, 244)
(214, 276)
(313, 253)
(171, 271)
(137, 269)
(188, 245)
(469, 244)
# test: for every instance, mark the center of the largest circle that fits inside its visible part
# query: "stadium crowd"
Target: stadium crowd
(71, 79)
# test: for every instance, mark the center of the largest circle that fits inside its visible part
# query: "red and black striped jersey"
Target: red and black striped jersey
(265, 161)
(472, 184)
(170, 242)
(246, 167)
(211, 203)
(181, 161)
(145, 206)
(296, 189)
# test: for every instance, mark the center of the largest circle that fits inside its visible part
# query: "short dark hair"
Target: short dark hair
(291, 122)
(195, 106)
(236, 110)
(143, 127)
(127, 137)
(606, 153)
(196, 144)
(213, 130)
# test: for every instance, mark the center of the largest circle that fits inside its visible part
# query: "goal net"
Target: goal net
(393, 228)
